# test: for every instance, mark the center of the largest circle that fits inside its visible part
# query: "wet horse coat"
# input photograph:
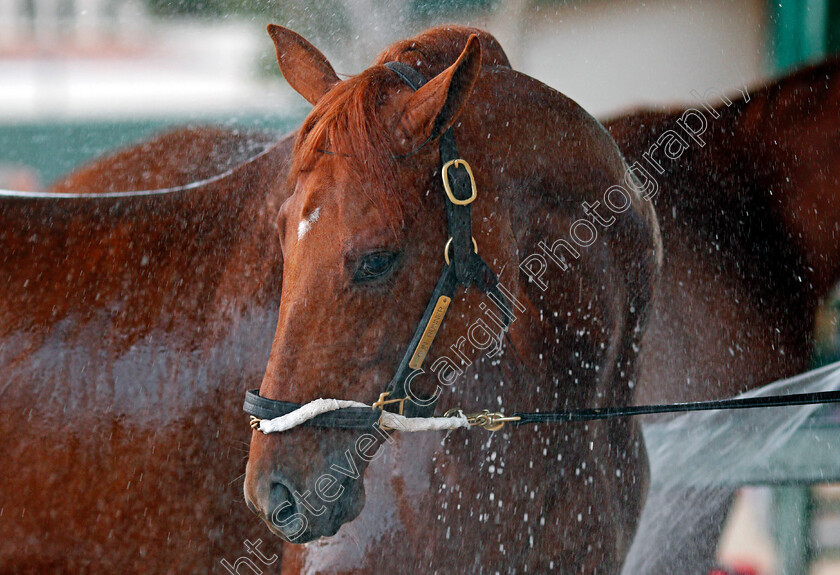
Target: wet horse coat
(130, 324)
(127, 324)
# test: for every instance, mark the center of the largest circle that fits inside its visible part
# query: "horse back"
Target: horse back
(129, 326)
(179, 157)
(84, 246)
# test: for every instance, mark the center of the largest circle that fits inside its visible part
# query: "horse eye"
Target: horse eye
(374, 266)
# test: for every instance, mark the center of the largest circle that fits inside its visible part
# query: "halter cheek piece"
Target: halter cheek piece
(463, 267)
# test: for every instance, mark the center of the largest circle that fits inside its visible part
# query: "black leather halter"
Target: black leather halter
(463, 267)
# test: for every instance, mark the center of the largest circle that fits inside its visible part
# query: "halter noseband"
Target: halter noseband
(463, 267)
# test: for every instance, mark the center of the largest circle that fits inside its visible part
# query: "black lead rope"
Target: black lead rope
(364, 418)
(464, 267)
(632, 410)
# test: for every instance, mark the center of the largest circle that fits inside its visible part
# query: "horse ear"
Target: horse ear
(432, 109)
(305, 68)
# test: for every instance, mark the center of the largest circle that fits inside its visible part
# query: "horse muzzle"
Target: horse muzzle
(303, 512)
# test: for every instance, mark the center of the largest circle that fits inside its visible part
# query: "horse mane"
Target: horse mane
(347, 120)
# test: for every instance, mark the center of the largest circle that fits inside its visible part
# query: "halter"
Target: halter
(464, 267)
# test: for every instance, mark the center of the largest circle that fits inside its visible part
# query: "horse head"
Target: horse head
(363, 235)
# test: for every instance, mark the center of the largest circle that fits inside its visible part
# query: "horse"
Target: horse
(747, 258)
(363, 235)
(133, 323)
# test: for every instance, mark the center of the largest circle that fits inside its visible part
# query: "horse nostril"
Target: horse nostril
(281, 502)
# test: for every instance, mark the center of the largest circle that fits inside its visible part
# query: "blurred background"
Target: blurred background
(81, 77)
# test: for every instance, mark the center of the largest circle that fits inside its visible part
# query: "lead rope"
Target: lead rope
(463, 268)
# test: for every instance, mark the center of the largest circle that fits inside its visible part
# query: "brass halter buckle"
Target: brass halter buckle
(458, 162)
(382, 402)
(255, 422)
(491, 421)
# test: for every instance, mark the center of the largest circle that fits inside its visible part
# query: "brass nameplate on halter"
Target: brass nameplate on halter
(430, 332)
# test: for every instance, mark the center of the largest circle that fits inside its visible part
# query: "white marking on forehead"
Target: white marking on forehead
(306, 223)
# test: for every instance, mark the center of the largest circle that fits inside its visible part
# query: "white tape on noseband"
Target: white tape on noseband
(388, 420)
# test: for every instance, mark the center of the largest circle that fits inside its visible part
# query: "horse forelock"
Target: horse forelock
(347, 125)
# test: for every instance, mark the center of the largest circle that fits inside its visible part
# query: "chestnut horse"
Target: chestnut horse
(750, 221)
(132, 325)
